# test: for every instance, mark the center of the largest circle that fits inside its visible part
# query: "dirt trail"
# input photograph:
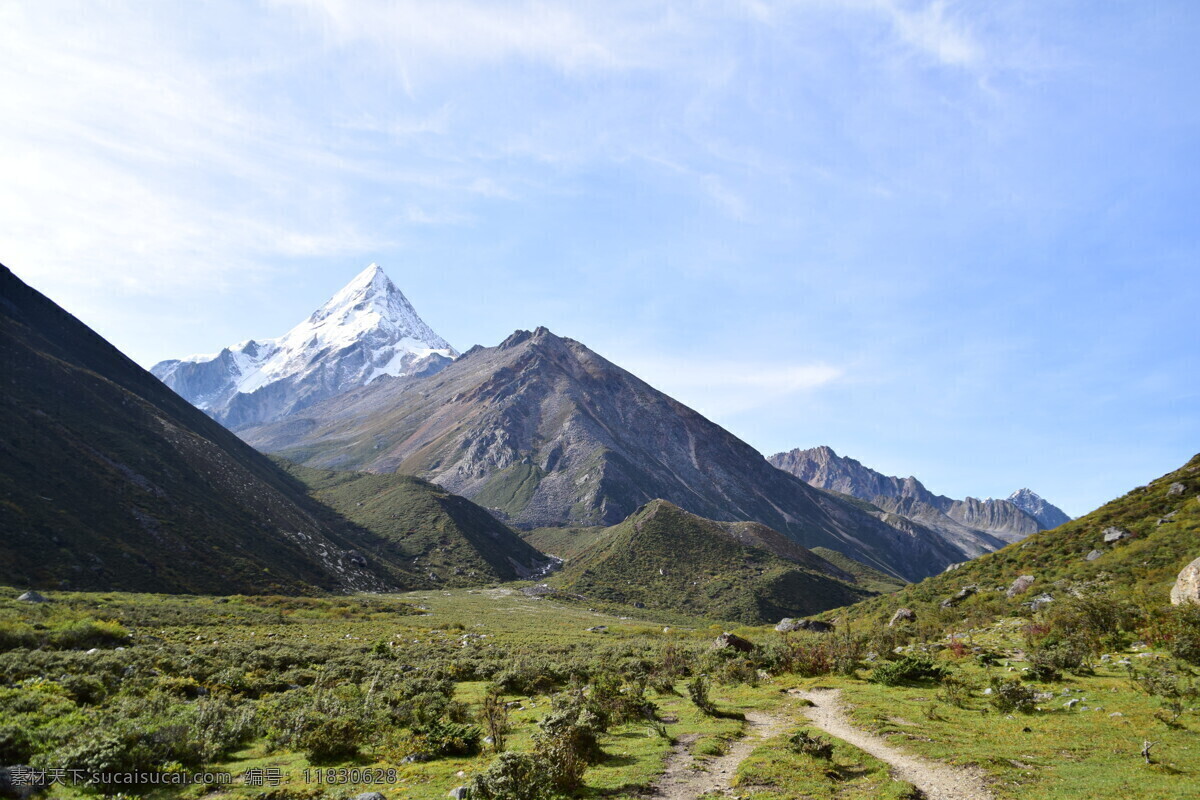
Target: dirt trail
(685, 780)
(937, 781)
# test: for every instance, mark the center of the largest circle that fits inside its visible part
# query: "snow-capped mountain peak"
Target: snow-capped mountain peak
(1033, 504)
(366, 330)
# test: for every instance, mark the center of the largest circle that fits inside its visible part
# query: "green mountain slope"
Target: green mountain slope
(667, 558)
(1163, 523)
(445, 538)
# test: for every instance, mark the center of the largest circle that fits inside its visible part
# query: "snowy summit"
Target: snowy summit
(367, 329)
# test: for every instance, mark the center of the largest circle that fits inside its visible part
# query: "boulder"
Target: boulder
(1187, 585)
(1115, 535)
(370, 796)
(962, 594)
(1092, 556)
(1019, 586)
(902, 615)
(1176, 488)
(733, 642)
(458, 793)
(788, 625)
(32, 597)
(1040, 600)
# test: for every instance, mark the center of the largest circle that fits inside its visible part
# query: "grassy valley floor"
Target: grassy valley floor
(331, 697)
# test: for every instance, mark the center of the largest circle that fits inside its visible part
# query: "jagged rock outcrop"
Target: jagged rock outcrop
(974, 526)
(366, 330)
(1047, 514)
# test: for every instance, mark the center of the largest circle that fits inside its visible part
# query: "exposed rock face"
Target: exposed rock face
(902, 616)
(1187, 585)
(733, 642)
(544, 432)
(789, 625)
(366, 330)
(974, 526)
(1115, 535)
(1020, 586)
(958, 597)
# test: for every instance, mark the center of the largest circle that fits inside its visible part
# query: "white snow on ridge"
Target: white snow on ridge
(367, 329)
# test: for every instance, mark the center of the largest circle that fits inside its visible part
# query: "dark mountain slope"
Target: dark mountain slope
(664, 557)
(109, 480)
(545, 432)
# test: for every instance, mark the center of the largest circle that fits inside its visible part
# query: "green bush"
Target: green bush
(909, 669)
(698, 692)
(1012, 695)
(331, 740)
(515, 776)
(815, 746)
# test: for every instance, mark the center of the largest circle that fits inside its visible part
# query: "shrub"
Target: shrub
(451, 738)
(329, 740)
(515, 776)
(955, 690)
(1012, 695)
(1177, 628)
(815, 746)
(698, 692)
(494, 716)
(909, 669)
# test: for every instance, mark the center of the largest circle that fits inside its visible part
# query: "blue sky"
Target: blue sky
(951, 239)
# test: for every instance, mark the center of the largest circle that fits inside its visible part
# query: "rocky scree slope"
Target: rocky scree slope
(366, 330)
(545, 432)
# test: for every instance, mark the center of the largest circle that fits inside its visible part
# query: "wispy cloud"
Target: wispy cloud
(720, 387)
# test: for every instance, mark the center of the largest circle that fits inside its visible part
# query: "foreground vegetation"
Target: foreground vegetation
(497, 690)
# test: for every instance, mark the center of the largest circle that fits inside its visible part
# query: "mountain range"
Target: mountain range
(977, 526)
(544, 432)
(366, 330)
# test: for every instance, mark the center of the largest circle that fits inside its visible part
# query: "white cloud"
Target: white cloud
(722, 387)
(929, 28)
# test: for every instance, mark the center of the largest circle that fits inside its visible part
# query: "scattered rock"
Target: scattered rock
(32, 597)
(599, 629)
(962, 594)
(1167, 518)
(1187, 585)
(1040, 600)
(733, 642)
(369, 796)
(1092, 556)
(788, 625)
(954, 566)
(1176, 488)
(1115, 535)
(1019, 586)
(416, 758)
(902, 615)
(1116, 714)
